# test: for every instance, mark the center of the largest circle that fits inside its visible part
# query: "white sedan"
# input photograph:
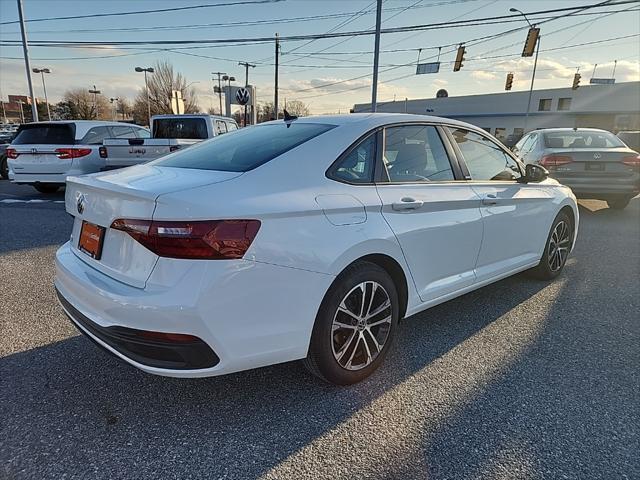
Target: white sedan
(302, 239)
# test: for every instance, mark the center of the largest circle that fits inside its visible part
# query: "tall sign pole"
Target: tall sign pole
(27, 64)
(219, 74)
(376, 57)
(533, 77)
(246, 66)
(275, 96)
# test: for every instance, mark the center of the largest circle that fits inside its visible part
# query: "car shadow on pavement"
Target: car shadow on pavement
(74, 402)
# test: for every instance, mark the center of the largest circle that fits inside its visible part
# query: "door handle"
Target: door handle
(490, 199)
(407, 203)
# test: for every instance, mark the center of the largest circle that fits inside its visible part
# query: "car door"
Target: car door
(516, 216)
(434, 214)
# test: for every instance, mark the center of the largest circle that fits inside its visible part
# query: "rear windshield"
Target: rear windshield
(46, 134)
(244, 149)
(578, 139)
(191, 128)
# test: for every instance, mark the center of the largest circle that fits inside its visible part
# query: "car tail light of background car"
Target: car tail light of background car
(555, 160)
(12, 154)
(66, 153)
(632, 161)
(209, 240)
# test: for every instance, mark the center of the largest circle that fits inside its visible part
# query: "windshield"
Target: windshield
(188, 128)
(244, 149)
(581, 139)
(45, 134)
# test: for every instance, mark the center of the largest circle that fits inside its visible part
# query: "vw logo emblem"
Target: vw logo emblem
(596, 155)
(80, 203)
(243, 96)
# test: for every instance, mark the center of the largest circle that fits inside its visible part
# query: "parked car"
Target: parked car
(593, 163)
(5, 140)
(169, 133)
(44, 154)
(301, 239)
(631, 139)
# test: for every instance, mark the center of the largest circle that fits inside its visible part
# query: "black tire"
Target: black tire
(322, 358)
(619, 203)
(4, 168)
(46, 187)
(553, 259)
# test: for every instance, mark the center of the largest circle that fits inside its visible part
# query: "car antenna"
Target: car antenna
(288, 118)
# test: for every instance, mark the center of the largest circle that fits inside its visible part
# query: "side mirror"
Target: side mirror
(534, 173)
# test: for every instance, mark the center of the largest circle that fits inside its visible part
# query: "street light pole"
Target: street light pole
(535, 64)
(114, 103)
(219, 74)
(376, 57)
(275, 96)
(27, 63)
(246, 66)
(146, 86)
(42, 71)
(21, 112)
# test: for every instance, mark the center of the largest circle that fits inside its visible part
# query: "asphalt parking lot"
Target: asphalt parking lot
(521, 379)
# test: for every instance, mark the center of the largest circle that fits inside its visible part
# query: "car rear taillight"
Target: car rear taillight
(103, 152)
(66, 153)
(209, 239)
(555, 160)
(12, 154)
(631, 160)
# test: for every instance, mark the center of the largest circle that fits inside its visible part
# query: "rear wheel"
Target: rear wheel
(619, 203)
(557, 248)
(46, 187)
(355, 325)
(4, 167)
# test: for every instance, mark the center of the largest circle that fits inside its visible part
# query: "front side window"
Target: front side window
(95, 136)
(246, 148)
(485, 159)
(357, 165)
(143, 133)
(231, 126)
(415, 153)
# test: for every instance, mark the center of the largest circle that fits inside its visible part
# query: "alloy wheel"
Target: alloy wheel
(361, 326)
(559, 244)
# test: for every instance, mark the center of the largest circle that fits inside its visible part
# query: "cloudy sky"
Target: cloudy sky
(330, 75)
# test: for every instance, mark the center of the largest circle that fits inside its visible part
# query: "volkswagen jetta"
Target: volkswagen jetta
(301, 239)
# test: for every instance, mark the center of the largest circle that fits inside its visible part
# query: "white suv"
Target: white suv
(44, 154)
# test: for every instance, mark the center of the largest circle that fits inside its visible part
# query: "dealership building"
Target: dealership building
(610, 107)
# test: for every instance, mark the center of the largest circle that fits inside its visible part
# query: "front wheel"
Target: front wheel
(557, 248)
(46, 187)
(355, 325)
(619, 203)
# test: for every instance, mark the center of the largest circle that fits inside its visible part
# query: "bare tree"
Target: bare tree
(161, 85)
(82, 105)
(298, 108)
(123, 107)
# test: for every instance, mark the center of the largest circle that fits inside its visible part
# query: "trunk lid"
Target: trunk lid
(129, 193)
(593, 162)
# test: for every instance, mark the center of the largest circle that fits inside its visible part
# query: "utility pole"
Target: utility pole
(533, 77)
(275, 96)
(95, 92)
(4, 113)
(219, 74)
(27, 63)
(246, 66)
(376, 57)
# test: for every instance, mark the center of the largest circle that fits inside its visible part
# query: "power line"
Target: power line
(138, 12)
(408, 28)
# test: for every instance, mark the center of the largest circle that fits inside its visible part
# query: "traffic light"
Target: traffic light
(576, 81)
(509, 82)
(530, 43)
(459, 58)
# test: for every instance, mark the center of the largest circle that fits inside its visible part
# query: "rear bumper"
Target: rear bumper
(601, 187)
(247, 314)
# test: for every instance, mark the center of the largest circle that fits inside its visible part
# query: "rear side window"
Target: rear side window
(190, 128)
(221, 127)
(95, 136)
(46, 134)
(244, 149)
(357, 165)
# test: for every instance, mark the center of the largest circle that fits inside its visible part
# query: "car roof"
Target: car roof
(567, 129)
(193, 115)
(83, 126)
(373, 120)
